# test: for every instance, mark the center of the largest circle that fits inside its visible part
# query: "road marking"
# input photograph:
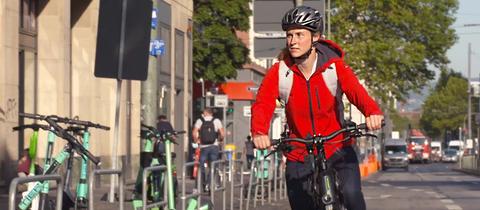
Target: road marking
(430, 192)
(386, 185)
(446, 200)
(453, 207)
(417, 190)
(385, 196)
(440, 196)
(402, 188)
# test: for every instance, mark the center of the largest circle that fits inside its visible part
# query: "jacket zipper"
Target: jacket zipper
(311, 107)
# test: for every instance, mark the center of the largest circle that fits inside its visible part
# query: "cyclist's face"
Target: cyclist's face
(299, 41)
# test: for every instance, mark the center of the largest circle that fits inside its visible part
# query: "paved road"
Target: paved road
(425, 186)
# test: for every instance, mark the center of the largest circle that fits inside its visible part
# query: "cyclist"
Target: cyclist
(312, 108)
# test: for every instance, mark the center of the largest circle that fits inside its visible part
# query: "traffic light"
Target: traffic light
(230, 107)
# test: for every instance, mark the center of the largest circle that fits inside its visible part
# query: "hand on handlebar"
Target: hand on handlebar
(261, 141)
(374, 122)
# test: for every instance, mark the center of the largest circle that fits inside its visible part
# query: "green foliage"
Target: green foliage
(446, 107)
(392, 43)
(217, 52)
(399, 123)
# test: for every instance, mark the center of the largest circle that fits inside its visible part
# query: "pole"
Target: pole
(116, 131)
(298, 3)
(469, 93)
(328, 19)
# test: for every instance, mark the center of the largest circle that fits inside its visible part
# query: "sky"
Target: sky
(467, 13)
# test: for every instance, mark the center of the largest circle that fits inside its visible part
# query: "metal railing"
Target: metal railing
(161, 169)
(257, 180)
(197, 194)
(40, 178)
(91, 180)
(236, 164)
(213, 183)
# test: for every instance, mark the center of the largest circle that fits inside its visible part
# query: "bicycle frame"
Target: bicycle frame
(324, 182)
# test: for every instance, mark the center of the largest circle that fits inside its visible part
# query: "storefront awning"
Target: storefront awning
(238, 90)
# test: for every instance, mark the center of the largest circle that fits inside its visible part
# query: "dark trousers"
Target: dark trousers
(346, 166)
(249, 161)
(209, 154)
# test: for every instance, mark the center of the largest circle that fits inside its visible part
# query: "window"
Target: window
(28, 16)
(179, 54)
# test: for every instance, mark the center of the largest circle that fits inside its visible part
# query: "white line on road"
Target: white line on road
(430, 192)
(446, 200)
(402, 188)
(386, 185)
(453, 207)
(417, 190)
(385, 196)
(440, 196)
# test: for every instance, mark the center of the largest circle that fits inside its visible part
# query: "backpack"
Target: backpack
(285, 81)
(207, 132)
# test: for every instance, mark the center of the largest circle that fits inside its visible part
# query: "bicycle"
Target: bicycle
(52, 164)
(325, 183)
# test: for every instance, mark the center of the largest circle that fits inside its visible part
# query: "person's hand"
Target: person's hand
(374, 122)
(261, 141)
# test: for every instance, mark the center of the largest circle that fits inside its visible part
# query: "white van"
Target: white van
(456, 145)
(436, 151)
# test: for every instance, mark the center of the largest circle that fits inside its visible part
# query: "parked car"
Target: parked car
(450, 155)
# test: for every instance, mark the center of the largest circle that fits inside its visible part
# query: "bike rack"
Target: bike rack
(259, 181)
(91, 180)
(222, 188)
(233, 185)
(21, 180)
(279, 179)
(162, 169)
(197, 194)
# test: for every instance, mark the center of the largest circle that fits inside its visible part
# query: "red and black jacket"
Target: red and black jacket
(311, 108)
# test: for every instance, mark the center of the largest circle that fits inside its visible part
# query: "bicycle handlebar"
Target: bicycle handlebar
(64, 120)
(72, 140)
(321, 139)
(33, 126)
(62, 133)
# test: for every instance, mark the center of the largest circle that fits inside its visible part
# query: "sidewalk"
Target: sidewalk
(101, 199)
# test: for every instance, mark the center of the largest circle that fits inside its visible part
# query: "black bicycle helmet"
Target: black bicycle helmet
(303, 17)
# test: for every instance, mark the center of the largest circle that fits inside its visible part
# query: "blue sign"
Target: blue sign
(157, 47)
(154, 18)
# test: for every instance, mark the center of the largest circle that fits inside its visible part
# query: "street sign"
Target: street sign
(157, 47)
(220, 100)
(247, 111)
(154, 18)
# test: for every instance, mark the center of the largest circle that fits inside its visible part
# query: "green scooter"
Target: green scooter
(151, 157)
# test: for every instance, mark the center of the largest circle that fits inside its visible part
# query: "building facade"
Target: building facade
(47, 57)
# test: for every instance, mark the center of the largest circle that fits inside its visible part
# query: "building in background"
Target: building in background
(47, 57)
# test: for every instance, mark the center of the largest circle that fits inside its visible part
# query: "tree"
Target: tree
(446, 108)
(217, 52)
(392, 44)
